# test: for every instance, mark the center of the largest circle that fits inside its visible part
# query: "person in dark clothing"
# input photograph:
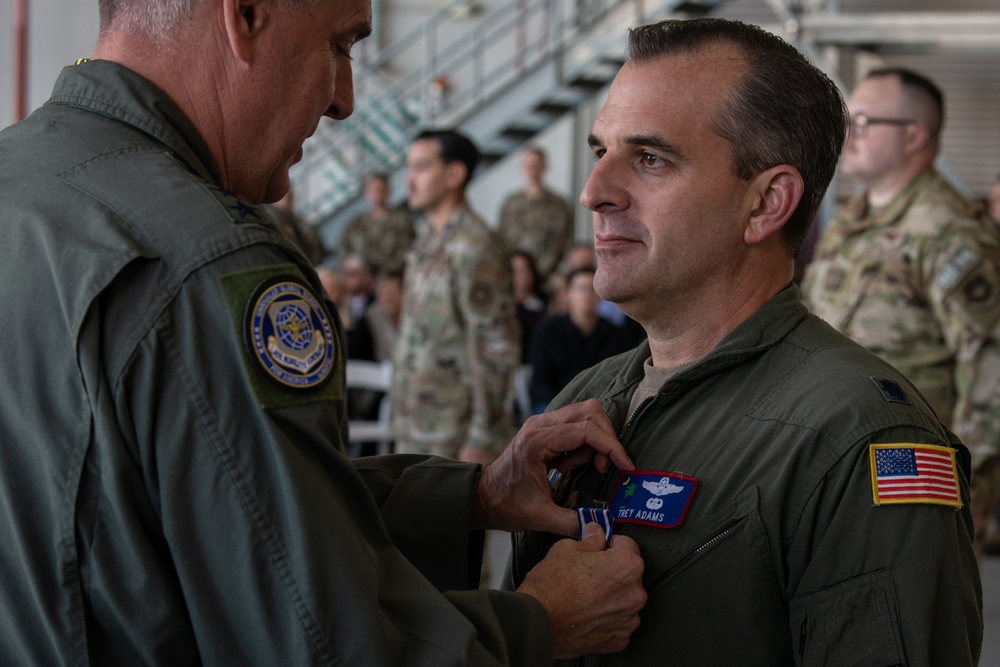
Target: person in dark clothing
(527, 299)
(565, 345)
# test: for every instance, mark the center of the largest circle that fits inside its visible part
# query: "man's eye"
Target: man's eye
(343, 50)
(598, 154)
(651, 160)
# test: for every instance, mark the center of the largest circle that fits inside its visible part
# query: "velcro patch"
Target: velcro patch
(890, 390)
(653, 498)
(289, 339)
(907, 473)
(957, 268)
(289, 333)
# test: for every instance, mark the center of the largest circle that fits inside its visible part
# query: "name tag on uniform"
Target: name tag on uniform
(653, 498)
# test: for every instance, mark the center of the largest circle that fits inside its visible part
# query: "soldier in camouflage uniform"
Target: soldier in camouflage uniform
(382, 235)
(909, 271)
(459, 339)
(536, 220)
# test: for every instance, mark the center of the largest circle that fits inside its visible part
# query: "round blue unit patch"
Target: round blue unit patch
(289, 333)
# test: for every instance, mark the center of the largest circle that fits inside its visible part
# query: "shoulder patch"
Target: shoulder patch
(908, 473)
(958, 266)
(891, 391)
(288, 333)
(290, 342)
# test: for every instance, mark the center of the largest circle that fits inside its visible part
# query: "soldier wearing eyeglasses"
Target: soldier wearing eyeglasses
(908, 270)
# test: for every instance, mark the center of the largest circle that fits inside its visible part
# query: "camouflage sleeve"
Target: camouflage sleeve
(964, 294)
(486, 300)
(552, 253)
(507, 225)
(352, 238)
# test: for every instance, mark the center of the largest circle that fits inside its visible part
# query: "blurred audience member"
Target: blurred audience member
(359, 282)
(536, 220)
(458, 341)
(565, 345)
(909, 270)
(382, 235)
(333, 286)
(297, 230)
(530, 307)
(383, 316)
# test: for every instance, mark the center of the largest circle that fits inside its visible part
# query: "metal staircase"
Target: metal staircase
(516, 71)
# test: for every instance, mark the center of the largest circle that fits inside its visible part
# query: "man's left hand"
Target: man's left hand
(513, 492)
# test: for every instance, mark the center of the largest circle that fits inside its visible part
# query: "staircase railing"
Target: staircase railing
(451, 74)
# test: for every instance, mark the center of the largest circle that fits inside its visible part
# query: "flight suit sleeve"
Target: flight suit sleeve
(284, 553)
(964, 294)
(492, 342)
(883, 584)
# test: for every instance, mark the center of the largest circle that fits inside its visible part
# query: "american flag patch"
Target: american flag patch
(906, 473)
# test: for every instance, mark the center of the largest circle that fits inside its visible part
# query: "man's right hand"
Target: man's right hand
(593, 594)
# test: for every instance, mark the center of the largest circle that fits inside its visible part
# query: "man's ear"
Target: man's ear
(918, 135)
(244, 20)
(777, 193)
(455, 175)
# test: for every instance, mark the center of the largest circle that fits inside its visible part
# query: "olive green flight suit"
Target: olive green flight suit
(170, 494)
(783, 558)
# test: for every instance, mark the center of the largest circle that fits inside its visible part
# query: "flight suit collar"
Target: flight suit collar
(758, 333)
(107, 88)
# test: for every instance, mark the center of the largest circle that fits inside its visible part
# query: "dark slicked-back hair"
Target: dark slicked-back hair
(784, 110)
(455, 147)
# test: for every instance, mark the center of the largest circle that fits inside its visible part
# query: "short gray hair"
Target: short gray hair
(152, 17)
(143, 17)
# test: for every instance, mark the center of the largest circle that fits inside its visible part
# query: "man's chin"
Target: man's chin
(277, 188)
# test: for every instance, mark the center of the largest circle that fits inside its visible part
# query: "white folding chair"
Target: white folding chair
(376, 376)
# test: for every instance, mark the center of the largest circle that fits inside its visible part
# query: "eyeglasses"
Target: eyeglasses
(860, 123)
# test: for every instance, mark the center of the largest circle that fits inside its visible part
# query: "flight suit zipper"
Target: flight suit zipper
(602, 497)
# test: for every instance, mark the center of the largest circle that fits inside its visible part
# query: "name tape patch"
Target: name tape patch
(653, 498)
(289, 334)
(908, 473)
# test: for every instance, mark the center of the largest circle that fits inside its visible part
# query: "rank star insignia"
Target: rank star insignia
(244, 210)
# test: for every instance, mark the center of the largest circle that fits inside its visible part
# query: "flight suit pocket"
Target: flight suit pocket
(853, 623)
(713, 593)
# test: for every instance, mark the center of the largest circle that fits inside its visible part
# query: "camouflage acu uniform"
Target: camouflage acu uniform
(458, 342)
(918, 283)
(542, 227)
(382, 243)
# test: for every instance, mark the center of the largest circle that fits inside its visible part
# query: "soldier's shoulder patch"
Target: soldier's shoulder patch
(482, 294)
(906, 473)
(289, 338)
(891, 390)
(959, 265)
(980, 291)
